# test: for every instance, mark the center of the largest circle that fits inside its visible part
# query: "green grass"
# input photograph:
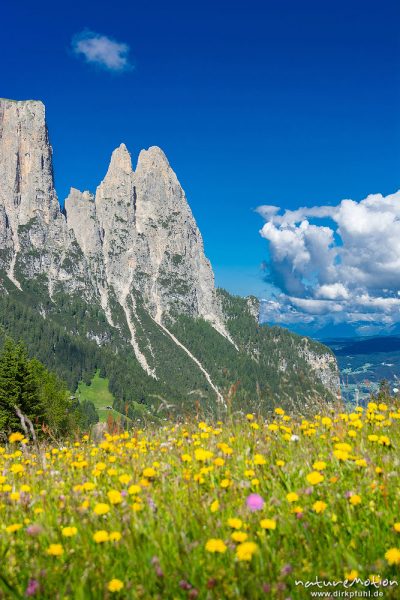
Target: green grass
(98, 393)
(168, 512)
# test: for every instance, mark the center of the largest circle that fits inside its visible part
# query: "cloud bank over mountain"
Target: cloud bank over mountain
(335, 264)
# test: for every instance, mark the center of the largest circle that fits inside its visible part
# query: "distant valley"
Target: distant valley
(365, 362)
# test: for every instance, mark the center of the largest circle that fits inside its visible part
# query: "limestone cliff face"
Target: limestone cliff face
(136, 238)
(33, 233)
(26, 183)
(27, 188)
(138, 234)
(134, 246)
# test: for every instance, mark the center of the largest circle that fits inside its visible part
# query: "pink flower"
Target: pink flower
(34, 529)
(254, 502)
(33, 587)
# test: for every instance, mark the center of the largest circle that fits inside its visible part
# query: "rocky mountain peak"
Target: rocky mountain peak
(152, 159)
(132, 252)
(120, 162)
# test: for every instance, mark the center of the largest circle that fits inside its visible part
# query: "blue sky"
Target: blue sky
(259, 102)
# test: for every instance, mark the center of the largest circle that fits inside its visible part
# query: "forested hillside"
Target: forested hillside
(73, 338)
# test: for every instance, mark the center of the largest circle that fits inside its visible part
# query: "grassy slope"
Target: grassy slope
(98, 393)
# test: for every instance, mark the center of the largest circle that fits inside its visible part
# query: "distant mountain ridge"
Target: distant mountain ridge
(367, 345)
(119, 281)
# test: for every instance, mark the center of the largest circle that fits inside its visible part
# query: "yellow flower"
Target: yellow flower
(115, 585)
(17, 468)
(114, 497)
(101, 536)
(15, 437)
(115, 536)
(341, 454)
(149, 473)
(225, 483)
(319, 465)
(186, 458)
(280, 463)
(273, 427)
(259, 459)
(101, 509)
(235, 523)
(134, 489)
(343, 447)
(292, 497)
(315, 477)
(216, 545)
(268, 524)
(249, 417)
(393, 556)
(227, 450)
(351, 575)
(13, 528)
(136, 506)
(88, 486)
(396, 527)
(124, 478)
(239, 536)
(55, 550)
(319, 506)
(246, 550)
(219, 462)
(373, 437)
(69, 531)
(214, 506)
(279, 411)
(384, 440)
(355, 499)
(202, 455)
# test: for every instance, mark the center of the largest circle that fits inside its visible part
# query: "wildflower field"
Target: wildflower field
(240, 509)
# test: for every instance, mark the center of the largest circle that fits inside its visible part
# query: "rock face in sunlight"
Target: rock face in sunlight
(131, 257)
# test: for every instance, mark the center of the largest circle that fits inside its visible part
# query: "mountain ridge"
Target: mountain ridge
(131, 253)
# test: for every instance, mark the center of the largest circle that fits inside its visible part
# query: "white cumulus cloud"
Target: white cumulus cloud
(102, 51)
(346, 269)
